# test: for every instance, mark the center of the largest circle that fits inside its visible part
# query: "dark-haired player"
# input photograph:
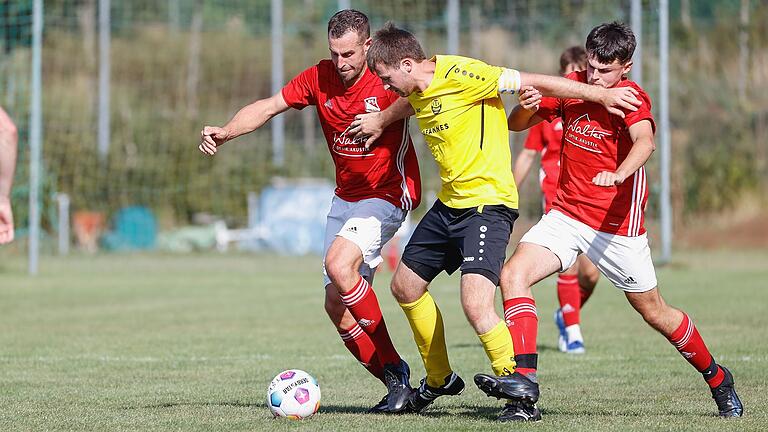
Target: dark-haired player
(599, 211)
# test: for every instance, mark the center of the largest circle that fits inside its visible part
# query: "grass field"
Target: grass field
(154, 342)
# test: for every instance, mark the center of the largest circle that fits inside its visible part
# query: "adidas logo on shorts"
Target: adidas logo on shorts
(352, 229)
(630, 280)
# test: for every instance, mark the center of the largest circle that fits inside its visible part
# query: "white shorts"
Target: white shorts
(625, 261)
(369, 223)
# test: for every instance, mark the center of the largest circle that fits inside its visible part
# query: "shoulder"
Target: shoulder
(642, 95)
(580, 76)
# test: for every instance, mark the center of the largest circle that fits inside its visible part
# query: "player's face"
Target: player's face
(571, 67)
(606, 75)
(395, 79)
(348, 55)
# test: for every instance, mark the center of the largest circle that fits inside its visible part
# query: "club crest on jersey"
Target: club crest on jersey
(436, 106)
(371, 104)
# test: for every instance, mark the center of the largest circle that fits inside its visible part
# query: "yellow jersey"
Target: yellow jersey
(464, 124)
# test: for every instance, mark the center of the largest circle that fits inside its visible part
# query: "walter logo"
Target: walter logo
(585, 133)
(371, 104)
(436, 106)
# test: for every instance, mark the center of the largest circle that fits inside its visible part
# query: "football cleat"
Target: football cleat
(426, 394)
(519, 411)
(379, 408)
(562, 339)
(728, 402)
(563, 345)
(397, 377)
(517, 387)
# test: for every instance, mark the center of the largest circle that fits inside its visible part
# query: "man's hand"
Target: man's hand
(212, 138)
(620, 97)
(6, 221)
(369, 126)
(529, 98)
(607, 179)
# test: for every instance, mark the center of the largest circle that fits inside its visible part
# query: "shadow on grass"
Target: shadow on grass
(201, 404)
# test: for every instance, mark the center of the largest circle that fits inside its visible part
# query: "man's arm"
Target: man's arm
(523, 165)
(247, 120)
(523, 116)
(642, 148)
(9, 139)
(373, 124)
(613, 99)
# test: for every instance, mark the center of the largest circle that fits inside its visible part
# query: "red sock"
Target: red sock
(523, 322)
(364, 306)
(361, 346)
(584, 295)
(691, 346)
(568, 293)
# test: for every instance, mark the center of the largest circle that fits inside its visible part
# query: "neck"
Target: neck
(425, 71)
(353, 81)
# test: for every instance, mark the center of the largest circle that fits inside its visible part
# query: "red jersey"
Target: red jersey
(389, 169)
(545, 138)
(595, 141)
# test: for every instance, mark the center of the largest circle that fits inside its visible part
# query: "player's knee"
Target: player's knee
(338, 270)
(398, 288)
(513, 281)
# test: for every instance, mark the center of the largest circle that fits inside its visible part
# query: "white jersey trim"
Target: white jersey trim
(636, 209)
(406, 203)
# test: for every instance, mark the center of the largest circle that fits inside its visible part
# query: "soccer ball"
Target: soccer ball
(293, 394)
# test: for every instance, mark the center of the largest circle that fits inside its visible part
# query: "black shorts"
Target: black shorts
(448, 238)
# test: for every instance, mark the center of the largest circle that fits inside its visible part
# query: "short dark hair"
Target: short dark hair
(391, 44)
(348, 20)
(573, 55)
(611, 41)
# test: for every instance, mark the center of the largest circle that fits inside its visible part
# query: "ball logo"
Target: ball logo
(301, 395)
(436, 106)
(287, 375)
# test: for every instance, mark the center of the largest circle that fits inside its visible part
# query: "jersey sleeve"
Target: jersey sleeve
(550, 108)
(301, 90)
(643, 111)
(476, 79)
(535, 139)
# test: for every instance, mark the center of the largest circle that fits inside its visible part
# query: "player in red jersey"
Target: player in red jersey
(9, 140)
(376, 187)
(575, 285)
(598, 211)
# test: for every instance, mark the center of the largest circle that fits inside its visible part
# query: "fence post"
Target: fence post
(666, 205)
(35, 137)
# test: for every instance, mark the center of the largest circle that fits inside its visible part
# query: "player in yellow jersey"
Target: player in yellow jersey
(457, 103)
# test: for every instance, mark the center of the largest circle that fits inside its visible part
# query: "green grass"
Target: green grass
(155, 342)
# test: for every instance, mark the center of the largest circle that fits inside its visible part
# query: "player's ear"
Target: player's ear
(627, 68)
(366, 45)
(406, 64)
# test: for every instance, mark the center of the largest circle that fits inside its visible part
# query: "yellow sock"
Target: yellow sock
(428, 332)
(498, 346)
